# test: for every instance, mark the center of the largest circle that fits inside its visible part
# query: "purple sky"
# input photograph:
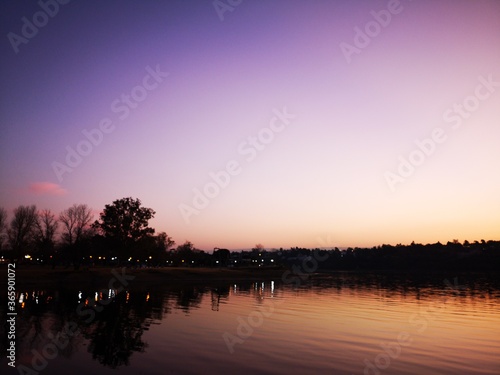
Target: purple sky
(325, 176)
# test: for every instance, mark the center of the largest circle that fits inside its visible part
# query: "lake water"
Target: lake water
(339, 324)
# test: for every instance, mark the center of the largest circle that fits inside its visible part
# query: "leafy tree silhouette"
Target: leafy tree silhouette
(124, 223)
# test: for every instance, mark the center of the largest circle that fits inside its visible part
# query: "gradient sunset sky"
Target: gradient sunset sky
(322, 180)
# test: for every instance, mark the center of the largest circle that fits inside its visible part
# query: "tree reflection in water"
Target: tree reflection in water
(116, 329)
(110, 326)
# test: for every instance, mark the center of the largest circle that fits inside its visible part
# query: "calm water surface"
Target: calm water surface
(339, 324)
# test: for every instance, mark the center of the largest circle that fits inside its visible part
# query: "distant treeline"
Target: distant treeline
(481, 256)
(474, 256)
(122, 236)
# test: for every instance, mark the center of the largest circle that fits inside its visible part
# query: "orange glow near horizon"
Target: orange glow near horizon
(263, 134)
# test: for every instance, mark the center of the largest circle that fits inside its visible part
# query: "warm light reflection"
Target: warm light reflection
(329, 322)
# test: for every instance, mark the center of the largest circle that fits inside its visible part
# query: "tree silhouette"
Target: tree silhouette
(124, 223)
(75, 220)
(164, 242)
(22, 229)
(46, 227)
(76, 232)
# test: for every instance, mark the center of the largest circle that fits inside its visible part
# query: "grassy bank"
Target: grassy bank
(44, 276)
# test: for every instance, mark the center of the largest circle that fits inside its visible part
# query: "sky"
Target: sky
(281, 122)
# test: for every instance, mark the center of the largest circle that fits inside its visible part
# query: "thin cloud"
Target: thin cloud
(46, 188)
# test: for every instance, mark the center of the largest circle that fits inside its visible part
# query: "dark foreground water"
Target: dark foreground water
(340, 324)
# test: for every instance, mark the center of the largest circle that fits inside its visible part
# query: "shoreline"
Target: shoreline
(45, 276)
(29, 276)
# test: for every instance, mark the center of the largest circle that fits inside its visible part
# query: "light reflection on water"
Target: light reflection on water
(331, 324)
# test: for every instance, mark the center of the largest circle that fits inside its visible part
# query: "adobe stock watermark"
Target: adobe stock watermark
(246, 326)
(221, 179)
(30, 28)
(392, 350)
(309, 265)
(302, 272)
(40, 359)
(255, 319)
(223, 6)
(121, 106)
(364, 36)
(11, 314)
(426, 147)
